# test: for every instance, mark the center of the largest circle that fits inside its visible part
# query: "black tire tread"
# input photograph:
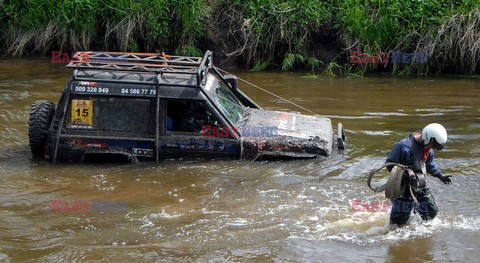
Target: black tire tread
(41, 115)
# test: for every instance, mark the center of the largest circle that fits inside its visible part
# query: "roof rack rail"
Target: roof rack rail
(158, 63)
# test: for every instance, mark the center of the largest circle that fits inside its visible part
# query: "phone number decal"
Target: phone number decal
(114, 90)
(91, 89)
(139, 91)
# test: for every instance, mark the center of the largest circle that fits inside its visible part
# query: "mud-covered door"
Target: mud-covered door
(194, 130)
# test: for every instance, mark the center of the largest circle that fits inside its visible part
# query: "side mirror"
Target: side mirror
(232, 81)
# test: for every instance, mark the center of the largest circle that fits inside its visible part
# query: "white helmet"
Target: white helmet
(436, 134)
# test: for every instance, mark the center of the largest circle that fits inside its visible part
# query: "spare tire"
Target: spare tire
(39, 122)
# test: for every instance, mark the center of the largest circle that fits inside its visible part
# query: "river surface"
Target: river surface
(217, 210)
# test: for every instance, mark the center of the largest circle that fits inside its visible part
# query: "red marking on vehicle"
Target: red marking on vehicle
(88, 83)
(94, 144)
(284, 116)
(82, 105)
(278, 147)
(258, 145)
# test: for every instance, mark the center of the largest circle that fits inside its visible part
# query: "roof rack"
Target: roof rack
(158, 63)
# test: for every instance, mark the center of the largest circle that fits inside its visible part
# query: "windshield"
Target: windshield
(228, 102)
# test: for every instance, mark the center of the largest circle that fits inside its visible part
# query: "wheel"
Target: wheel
(41, 116)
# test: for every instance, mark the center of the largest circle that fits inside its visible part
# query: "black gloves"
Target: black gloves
(445, 179)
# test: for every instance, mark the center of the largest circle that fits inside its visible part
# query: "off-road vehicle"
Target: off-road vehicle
(150, 106)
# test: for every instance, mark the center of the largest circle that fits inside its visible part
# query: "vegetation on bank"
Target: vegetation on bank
(258, 34)
(38, 26)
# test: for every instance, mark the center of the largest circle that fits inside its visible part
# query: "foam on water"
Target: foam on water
(164, 214)
(374, 228)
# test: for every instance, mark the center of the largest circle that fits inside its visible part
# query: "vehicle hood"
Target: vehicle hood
(283, 134)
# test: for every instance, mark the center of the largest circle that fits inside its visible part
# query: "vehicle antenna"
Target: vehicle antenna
(269, 92)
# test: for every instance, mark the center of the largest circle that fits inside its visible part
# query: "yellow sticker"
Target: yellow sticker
(82, 111)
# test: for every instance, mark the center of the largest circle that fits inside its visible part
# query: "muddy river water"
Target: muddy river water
(217, 210)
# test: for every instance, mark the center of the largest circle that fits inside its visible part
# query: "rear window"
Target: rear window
(111, 114)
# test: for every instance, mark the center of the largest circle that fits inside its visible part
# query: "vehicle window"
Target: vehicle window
(229, 103)
(112, 114)
(189, 116)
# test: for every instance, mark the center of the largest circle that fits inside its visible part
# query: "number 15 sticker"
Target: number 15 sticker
(82, 111)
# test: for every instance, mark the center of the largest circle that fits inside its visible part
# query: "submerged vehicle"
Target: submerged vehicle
(150, 106)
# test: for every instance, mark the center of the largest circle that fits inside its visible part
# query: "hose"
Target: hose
(393, 187)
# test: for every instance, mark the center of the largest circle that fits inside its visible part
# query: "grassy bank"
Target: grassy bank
(37, 26)
(284, 34)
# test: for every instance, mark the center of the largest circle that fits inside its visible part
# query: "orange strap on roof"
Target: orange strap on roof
(81, 57)
(165, 56)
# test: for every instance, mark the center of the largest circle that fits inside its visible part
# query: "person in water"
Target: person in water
(416, 152)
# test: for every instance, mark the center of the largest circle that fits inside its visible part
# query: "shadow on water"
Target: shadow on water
(212, 210)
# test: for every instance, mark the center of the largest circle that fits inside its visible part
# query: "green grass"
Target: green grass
(147, 25)
(260, 66)
(310, 76)
(290, 60)
(188, 50)
(331, 68)
(289, 34)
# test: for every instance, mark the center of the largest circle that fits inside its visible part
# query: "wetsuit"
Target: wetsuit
(402, 206)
